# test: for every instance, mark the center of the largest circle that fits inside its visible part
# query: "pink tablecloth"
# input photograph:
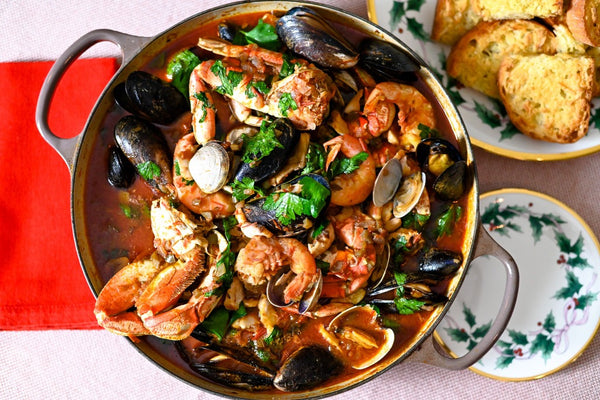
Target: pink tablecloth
(65, 363)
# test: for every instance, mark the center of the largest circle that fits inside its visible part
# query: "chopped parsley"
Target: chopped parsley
(346, 165)
(447, 220)
(261, 144)
(274, 334)
(201, 96)
(219, 321)
(259, 86)
(427, 132)
(228, 257)
(414, 220)
(229, 80)
(288, 206)
(148, 170)
(287, 102)
(180, 68)
(403, 305)
(288, 67)
(187, 182)
(244, 189)
(315, 158)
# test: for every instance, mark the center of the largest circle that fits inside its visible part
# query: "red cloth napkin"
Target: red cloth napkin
(41, 282)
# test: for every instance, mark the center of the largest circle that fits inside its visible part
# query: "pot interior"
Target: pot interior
(92, 208)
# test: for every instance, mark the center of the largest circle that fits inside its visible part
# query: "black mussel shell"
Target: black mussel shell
(440, 262)
(387, 61)
(145, 146)
(233, 378)
(435, 146)
(121, 172)
(255, 212)
(272, 163)
(150, 97)
(306, 368)
(227, 31)
(451, 184)
(306, 33)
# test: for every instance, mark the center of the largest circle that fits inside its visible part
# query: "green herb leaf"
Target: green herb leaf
(447, 220)
(126, 208)
(315, 159)
(244, 189)
(180, 68)
(258, 86)
(288, 206)
(263, 35)
(217, 322)
(288, 67)
(201, 96)
(407, 306)
(414, 220)
(274, 334)
(346, 165)
(229, 80)
(286, 102)
(148, 170)
(261, 144)
(426, 132)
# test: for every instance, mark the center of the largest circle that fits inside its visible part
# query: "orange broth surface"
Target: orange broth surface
(118, 221)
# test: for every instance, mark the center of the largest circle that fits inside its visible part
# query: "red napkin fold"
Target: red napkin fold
(41, 282)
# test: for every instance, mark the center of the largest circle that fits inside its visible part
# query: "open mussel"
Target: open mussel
(147, 149)
(259, 211)
(441, 159)
(148, 96)
(260, 170)
(306, 33)
(307, 368)
(121, 173)
(387, 61)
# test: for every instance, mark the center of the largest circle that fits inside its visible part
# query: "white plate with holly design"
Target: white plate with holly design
(558, 306)
(485, 118)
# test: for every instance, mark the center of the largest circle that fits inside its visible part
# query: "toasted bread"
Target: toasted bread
(547, 97)
(475, 59)
(583, 19)
(594, 52)
(453, 18)
(518, 9)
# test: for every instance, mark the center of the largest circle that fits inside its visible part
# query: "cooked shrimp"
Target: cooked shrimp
(413, 110)
(353, 188)
(214, 205)
(202, 107)
(262, 258)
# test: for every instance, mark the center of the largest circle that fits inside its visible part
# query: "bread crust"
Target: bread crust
(453, 18)
(583, 21)
(475, 59)
(514, 9)
(547, 97)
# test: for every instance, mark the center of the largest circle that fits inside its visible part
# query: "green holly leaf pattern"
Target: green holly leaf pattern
(469, 316)
(509, 131)
(416, 28)
(414, 5)
(572, 288)
(482, 330)
(595, 118)
(487, 116)
(396, 13)
(518, 337)
(458, 335)
(543, 344)
(585, 300)
(504, 361)
(549, 322)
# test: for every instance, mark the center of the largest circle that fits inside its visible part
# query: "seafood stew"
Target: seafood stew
(260, 205)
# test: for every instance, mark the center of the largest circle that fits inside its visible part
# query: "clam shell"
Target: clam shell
(210, 167)
(409, 193)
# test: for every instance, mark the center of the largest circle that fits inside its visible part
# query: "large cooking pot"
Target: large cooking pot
(136, 52)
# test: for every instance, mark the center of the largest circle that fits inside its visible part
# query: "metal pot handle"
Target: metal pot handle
(129, 45)
(431, 352)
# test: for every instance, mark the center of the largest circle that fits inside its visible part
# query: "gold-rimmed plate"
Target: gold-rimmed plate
(558, 307)
(487, 123)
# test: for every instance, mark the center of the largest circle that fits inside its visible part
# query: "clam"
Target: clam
(121, 173)
(307, 368)
(210, 167)
(382, 262)
(387, 182)
(262, 169)
(148, 96)
(359, 328)
(409, 193)
(387, 60)
(146, 148)
(279, 282)
(308, 34)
